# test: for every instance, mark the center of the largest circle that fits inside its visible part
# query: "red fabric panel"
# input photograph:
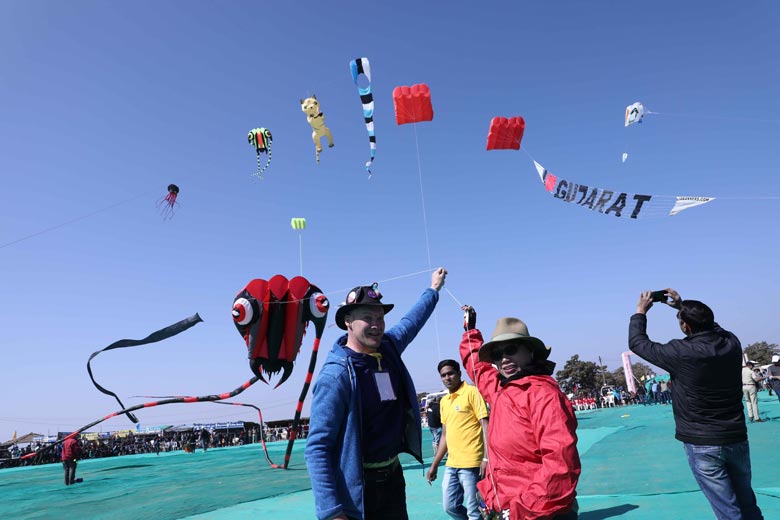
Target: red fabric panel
(505, 133)
(412, 104)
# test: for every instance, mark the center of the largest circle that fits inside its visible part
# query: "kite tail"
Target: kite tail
(317, 155)
(301, 399)
(174, 400)
(262, 431)
(154, 337)
(261, 169)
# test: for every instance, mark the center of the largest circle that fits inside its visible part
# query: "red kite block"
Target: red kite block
(505, 134)
(412, 104)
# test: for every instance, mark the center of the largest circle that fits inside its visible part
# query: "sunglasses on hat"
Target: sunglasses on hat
(360, 293)
(499, 352)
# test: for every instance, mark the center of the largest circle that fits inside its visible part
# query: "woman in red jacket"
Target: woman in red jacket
(533, 465)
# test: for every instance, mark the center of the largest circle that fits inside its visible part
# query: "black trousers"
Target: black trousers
(70, 471)
(384, 493)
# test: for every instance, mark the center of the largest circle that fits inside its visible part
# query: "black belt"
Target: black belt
(380, 474)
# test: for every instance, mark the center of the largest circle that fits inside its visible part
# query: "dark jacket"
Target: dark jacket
(433, 413)
(707, 391)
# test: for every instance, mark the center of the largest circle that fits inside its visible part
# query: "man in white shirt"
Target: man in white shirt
(749, 380)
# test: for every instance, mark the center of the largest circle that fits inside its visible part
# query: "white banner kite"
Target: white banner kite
(618, 204)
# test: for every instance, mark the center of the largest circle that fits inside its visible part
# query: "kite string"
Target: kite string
(528, 153)
(425, 227)
(383, 281)
(453, 297)
(71, 221)
(339, 291)
(712, 116)
(422, 198)
(300, 251)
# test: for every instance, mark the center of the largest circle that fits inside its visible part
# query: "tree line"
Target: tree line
(587, 376)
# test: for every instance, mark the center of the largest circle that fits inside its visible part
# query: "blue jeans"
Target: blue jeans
(436, 434)
(459, 487)
(723, 474)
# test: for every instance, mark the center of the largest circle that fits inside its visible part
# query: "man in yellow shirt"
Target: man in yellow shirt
(464, 430)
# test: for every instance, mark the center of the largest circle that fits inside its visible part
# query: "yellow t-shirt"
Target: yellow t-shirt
(461, 412)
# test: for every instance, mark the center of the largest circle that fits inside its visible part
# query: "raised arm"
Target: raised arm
(406, 330)
(484, 375)
(659, 354)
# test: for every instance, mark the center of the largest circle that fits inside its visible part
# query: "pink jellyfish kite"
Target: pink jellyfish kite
(168, 203)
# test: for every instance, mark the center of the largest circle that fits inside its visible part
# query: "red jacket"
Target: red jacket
(532, 442)
(71, 449)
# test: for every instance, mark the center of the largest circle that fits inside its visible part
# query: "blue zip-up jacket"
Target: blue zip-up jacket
(334, 445)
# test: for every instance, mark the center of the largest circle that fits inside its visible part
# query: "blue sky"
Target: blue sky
(105, 103)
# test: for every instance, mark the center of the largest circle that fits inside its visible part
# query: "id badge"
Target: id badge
(384, 386)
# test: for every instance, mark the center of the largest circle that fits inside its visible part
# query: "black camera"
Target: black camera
(659, 296)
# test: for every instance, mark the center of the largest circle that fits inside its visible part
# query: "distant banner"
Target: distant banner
(618, 204)
(219, 426)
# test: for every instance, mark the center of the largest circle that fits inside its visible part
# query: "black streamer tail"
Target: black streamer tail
(173, 400)
(154, 337)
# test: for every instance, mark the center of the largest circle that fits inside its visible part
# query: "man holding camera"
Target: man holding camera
(705, 367)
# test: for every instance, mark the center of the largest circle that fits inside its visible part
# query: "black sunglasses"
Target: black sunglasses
(498, 353)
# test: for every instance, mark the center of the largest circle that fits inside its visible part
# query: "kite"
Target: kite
(261, 139)
(316, 119)
(273, 317)
(505, 134)
(625, 156)
(298, 223)
(634, 113)
(618, 204)
(412, 104)
(168, 203)
(361, 66)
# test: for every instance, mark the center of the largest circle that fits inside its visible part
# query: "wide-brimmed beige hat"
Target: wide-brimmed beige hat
(513, 330)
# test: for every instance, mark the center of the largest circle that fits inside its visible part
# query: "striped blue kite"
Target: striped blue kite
(361, 66)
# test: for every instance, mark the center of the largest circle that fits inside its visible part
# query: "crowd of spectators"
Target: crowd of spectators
(165, 441)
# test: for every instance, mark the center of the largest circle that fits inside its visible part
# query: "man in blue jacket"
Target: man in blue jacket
(706, 371)
(364, 410)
